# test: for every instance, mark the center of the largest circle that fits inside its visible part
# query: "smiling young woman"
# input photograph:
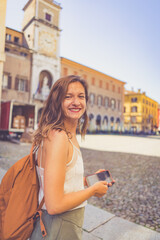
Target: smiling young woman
(60, 163)
(74, 104)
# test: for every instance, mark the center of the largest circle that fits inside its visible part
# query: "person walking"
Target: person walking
(59, 161)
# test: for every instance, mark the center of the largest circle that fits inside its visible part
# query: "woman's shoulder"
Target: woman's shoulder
(57, 135)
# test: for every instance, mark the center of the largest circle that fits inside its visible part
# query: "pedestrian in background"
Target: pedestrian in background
(60, 163)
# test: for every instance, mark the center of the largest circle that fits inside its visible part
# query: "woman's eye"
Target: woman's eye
(81, 97)
(67, 96)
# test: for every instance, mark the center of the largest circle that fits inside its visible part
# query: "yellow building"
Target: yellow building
(140, 112)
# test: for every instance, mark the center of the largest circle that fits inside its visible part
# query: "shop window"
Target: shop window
(105, 120)
(91, 116)
(112, 119)
(98, 120)
(118, 120)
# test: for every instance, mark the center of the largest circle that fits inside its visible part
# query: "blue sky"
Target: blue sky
(118, 37)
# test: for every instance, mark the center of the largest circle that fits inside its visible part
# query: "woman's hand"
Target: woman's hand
(109, 184)
(100, 188)
(100, 170)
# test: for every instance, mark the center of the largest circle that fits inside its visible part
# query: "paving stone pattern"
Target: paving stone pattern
(136, 194)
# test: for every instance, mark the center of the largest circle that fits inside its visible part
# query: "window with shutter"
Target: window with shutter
(106, 102)
(113, 104)
(65, 72)
(92, 99)
(16, 83)
(5, 81)
(99, 101)
(22, 85)
(27, 86)
(134, 109)
(9, 82)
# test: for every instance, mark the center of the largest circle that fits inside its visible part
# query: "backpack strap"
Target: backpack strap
(41, 204)
(31, 157)
(39, 214)
(39, 210)
(33, 151)
(43, 230)
(41, 153)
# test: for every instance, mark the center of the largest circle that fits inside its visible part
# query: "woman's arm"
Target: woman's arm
(56, 152)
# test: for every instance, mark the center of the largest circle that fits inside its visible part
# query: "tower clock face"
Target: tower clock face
(47, 43)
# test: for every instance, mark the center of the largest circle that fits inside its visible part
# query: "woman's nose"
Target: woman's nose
(76, 101)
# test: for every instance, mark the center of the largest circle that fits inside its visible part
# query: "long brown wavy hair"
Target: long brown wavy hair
(52, 116)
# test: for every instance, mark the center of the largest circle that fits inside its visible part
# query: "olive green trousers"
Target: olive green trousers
(65, 226)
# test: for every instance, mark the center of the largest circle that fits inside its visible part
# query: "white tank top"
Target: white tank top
(73, 179)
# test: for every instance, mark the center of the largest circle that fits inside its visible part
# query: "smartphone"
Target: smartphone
(101, 176)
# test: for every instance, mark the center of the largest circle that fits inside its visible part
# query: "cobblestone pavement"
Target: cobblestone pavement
(136, 194)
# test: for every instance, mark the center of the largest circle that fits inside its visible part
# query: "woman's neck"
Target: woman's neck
(71, 127)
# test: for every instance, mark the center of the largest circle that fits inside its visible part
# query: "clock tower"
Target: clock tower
(42, 33)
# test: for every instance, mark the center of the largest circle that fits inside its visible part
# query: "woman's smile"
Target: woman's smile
(74, 109)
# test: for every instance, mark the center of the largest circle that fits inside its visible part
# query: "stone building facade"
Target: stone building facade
(41, 30)
(16, 80)
(33, 64)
